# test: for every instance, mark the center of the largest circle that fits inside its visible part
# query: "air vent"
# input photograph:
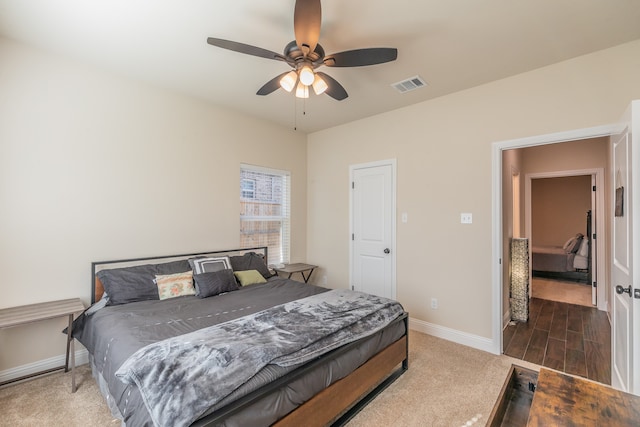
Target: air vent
(409, 84)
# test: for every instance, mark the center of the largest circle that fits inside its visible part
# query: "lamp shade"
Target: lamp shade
(302, 91)
(288, 82)
(319, 85)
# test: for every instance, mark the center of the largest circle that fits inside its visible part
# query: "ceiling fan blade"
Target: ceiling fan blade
(307, 18)
(335, 89)
(246, 48)
(272, 85)
(361, 57)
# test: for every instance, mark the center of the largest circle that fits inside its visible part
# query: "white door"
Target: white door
(372, 229)
(625, 357)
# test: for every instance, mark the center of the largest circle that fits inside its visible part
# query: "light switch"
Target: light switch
(466, 218)
(405, 217)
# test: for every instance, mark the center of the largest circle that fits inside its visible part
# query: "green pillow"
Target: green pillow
(249, 277)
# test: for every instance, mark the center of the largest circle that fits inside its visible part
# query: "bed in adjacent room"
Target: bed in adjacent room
(216, 339)
(572, 261)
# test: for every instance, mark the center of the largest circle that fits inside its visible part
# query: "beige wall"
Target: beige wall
(443, 152)
(95, 167)
(558, 209)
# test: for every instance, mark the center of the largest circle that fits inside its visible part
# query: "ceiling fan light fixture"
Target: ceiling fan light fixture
(288, 82)
(306, 75)
(319, 85)
(302, 91)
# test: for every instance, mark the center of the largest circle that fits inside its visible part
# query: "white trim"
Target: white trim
(82, 357)
(394, 189)
(496, 203)
(600, 224)
(263, 169)
(506, 318)
(458, 337)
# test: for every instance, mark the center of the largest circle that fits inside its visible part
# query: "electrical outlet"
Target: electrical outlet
(466, 218)
(434, 303)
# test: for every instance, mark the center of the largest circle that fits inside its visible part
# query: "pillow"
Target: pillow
(136, 283)
(129, 284)
(249, 277)
(208, 264)
(584, 248)
(250, 261)
(573, 244)
(213, 283)
(175, 285)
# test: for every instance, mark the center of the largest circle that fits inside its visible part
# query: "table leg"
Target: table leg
(71, 353)
(306, 279)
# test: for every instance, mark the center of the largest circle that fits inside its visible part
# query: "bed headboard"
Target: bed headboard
(97, 290)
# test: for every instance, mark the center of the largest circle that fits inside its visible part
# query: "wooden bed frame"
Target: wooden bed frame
(582, 276)
(336, 404)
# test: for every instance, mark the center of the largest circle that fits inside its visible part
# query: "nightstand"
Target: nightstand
(296, 268)
(16, 316)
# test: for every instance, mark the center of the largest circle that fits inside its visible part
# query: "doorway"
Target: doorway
(560, 205)
(501, 223)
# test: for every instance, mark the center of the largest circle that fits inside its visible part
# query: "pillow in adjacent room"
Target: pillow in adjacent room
(213, 283)
(584, 248)
(209, 264)
(250, 261)
(175, 285)
(573, 244)
(249, 277)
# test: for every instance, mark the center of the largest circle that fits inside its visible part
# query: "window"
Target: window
(264, 211)
(248, 188)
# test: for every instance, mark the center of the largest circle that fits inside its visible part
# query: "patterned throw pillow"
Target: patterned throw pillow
(175, 285)
(209, 264)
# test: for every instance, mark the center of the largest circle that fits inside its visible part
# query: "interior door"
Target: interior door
(372, 226)
(626, 254)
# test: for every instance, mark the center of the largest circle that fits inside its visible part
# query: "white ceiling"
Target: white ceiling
(452, 44)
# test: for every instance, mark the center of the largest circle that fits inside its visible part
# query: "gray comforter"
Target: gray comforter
(175, 375)
(114, 333)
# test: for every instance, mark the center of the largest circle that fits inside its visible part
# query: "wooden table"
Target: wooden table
(16, 316)
(563, 400)
(297, 268)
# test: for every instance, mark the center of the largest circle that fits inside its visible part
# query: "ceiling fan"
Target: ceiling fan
(304, 55)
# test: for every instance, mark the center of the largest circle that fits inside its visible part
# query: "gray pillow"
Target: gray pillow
(213, 283)
(250, 261)
(131, 284)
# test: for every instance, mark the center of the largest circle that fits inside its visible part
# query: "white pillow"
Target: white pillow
(584, 248)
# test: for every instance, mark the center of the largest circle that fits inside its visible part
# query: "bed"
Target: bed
(238, 348)
(572, 261)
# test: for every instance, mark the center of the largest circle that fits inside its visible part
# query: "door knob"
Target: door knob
(386, 251)
(620, 290)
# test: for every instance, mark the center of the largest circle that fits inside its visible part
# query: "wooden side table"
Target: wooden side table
(16, 316)
(297, 268)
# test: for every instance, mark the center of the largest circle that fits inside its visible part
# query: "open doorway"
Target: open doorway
(555, 336)
(562, 212)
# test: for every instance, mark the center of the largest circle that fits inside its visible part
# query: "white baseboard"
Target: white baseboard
(506, 318)
(470, 340)
(82, 357)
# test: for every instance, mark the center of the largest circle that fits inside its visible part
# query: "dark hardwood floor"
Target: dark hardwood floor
(570, 338)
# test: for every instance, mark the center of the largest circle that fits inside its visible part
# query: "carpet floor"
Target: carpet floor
(447, 384)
